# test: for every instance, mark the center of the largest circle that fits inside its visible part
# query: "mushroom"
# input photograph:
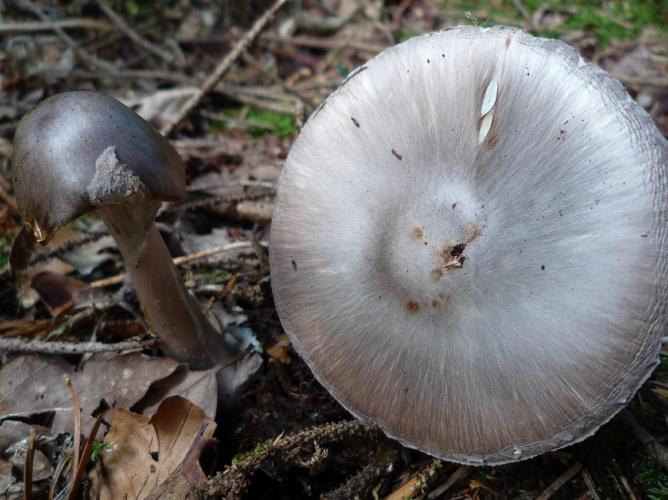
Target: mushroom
(78, 152)
(469, 244)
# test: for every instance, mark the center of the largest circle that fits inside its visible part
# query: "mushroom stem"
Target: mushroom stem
(170, 310)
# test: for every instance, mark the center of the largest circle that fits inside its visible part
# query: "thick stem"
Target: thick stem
(170, 310)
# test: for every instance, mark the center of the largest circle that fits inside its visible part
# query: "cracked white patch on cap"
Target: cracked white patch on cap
(114, 182)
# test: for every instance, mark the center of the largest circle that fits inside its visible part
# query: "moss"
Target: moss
(606, 21)
(218, 276)
(343, 70)
(402, 34)
(258, 122)
(653, 480)
(242, 457)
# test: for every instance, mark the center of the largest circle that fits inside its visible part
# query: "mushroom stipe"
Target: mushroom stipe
(82, 151)
(488, 271)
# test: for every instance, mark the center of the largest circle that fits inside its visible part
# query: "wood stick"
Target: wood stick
(560, 481)
(223, 67)
(56, 347)
(117, 279)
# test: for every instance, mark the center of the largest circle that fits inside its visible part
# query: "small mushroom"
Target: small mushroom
(472, 253)
(84, 151)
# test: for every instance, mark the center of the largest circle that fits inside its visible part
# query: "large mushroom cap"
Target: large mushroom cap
(78, 151)
(469, 247)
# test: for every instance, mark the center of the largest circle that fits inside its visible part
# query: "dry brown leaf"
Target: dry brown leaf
(33, 384)
(12, 431)
(198, 387)
(57, 291)
(120, 380)
(151, 452)
(6, 478)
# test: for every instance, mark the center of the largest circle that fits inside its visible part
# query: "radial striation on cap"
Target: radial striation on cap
(469, 245)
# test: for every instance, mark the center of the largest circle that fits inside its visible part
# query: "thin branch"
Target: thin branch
(658, 451)
(27, 469)
(76, 409)
(236, 477)
(72, 23)
(325, 43)
(85, 455)
(115, 280)
(223, 67)
(132, 34)
(85, 56)
(560, 481)
(56, 347)
(460, 473)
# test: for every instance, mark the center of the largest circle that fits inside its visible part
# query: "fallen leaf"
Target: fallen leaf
(151, 452)
(12, 431)
(33, 384)
(120, 380)
(6, 478)
(56, 290)
(41, 467)
(199, 387)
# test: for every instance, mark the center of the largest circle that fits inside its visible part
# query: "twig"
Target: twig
(560, 481)
(56, 347)
(76, 409)
(300, 103)
(72, 23)
(85, 455)
(591, 484)
(459, 474)
(325, 43)
(416, 485)
(85, 56)
(380, 465)
(63, 463)
(233, 481)
(658, 451)
(132, 34)
(137, 74)
(223, 67)
(27, 469)
(115, 280)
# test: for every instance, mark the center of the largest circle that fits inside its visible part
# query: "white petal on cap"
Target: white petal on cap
(490, 97)
(484, 303)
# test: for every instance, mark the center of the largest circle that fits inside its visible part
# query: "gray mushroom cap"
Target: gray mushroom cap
(79, 151)
(469, 245)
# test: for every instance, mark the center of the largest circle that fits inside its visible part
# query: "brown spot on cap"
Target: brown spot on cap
(492, 141)
(397, 155)
(417, 233)
(458, 249)
(471, 233)
(508, 40)
(412, 306)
